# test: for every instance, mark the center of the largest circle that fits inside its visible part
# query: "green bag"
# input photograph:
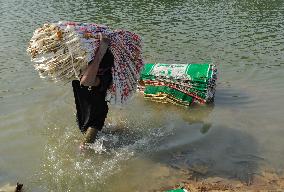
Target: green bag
(177, 190)
(179, 83)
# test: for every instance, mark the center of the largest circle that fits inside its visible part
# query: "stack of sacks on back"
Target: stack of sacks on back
(62, 51)
(180, 84)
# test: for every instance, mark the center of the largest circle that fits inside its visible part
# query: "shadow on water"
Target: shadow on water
(223, 152)
(233, 98)
(192, 147)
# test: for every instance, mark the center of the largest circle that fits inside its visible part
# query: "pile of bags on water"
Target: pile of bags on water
(61, 52)
(181, 84)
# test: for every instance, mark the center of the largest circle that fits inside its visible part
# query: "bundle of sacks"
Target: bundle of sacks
(62, 51)
(180, 84)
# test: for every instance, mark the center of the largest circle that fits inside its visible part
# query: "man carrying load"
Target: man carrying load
(103, 65)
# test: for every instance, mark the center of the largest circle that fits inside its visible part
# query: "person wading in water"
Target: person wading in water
(105, 63)
(90, 93)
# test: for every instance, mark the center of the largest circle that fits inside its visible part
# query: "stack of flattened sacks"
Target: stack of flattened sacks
(181, 84)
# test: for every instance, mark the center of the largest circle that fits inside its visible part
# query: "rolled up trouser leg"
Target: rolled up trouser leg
(90, 135)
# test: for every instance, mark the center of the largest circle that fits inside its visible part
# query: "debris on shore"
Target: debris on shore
(12, 188)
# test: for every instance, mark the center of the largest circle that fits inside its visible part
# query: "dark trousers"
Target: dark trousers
(91, 106)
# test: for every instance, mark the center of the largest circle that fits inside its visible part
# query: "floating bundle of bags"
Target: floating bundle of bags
(62, 51)
(180, 84)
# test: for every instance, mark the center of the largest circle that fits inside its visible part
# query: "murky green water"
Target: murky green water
(146, 145)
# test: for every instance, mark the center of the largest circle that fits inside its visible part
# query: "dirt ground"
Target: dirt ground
(265, 182)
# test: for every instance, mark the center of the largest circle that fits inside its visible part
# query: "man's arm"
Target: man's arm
(89, 76)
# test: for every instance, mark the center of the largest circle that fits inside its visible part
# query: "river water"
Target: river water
(146, 145)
